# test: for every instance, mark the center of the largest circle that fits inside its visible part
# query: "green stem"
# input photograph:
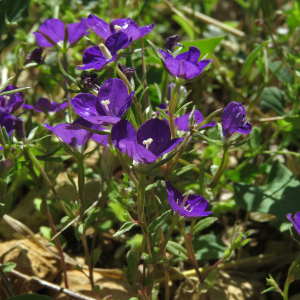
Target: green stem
(18, 73)
(164, 89)
(81, 182)
(65, 66)
(172, 105)
(135, 101)
(222, 167)
(290, 277)
(44, 175)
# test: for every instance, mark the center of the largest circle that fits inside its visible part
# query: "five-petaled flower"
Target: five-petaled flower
(185, 65)
(188, 206)
(44, 105)
(76, 136)
(8, 105)
(127, 26)
(233, 120)
(152, 140)
(296, 223)
(108, 107)
(54, 32)
(97, 57)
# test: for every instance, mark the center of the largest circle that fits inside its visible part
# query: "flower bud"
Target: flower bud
(172, 42)
(36, 56)
(128, 72)
(90, 81)
(18, 126)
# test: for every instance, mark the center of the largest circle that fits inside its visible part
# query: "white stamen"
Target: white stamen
(154, 114)
(185, 208)
(6, 97)
(177, 201)
(117, 28)
(147, 143)
(125, 26)
(106, 53)
(105, 103)
(191, 209)
(184, 199)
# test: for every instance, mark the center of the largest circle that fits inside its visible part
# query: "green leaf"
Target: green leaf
(206, 46)
(185, 26)
(252, 56)
(6, 83)
(283, 74)
(17, 167)
(279, 196)
(163, 113)
(204, 224)
(159, 222)
(155, 50)
(125, 227)
(72, 182)
(7, 267)
(147, 258)
(180, 171)
(78, 231)
(272, 98)
(211, 277)
(208, 246)
(255, 138)
(155, 291)
(155, 184)
(162, 162)
(15, 91)
(177, 249)
(96, 255)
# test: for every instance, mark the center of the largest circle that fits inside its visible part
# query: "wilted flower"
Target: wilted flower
(43, 104)
(108, 107)
(127, 26)
(182, 123)
(233, 120)
(152, 140)
(76, 136)
(128, 72)
(296, 223)
(188, 206)
(95, 58)
(185, 65)
(54, 32)
(90, 81)
(35, 55)
(18, 126)
(172, 42)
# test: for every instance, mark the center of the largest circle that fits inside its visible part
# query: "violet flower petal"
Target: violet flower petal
(128, 26)
(181, 68)
(43, 104)
(171, 145)
(192, 55)
(117, 41)
(10, 103)
(165, 54)
(296, 223)
(146, 29)
(7, 120)
(194, 207)
(245, 129)
(73, 134)
(54, 29)
(99, 26)
(183, 121)
(211, 124)
(77, 30)
(116, 92)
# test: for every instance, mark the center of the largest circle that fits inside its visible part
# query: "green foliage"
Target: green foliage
(278, 196)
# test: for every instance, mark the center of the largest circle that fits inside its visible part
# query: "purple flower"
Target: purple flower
(128, 72)
(43, 104)
(53, 32)
(127, 26)
(172, 42)
(90, 81)
(7, 121)
(108, 107)
(233, 120)
(152, 140)
(36, 56)
(76, 136)
(185, 65)
(10, 103)
(188, 206)
(296, 223)
(183, 121)
(95, 58)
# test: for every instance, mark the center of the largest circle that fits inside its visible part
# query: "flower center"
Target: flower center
(117, 28)
(186, 207)
(147, 143)
(105, 103)
(6, 99)
(106, 53)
